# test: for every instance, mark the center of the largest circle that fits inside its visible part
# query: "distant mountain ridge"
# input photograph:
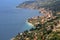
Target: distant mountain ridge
(36, 4)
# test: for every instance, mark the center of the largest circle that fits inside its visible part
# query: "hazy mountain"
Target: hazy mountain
(36, 4)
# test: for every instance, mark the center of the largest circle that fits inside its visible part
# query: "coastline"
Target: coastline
(26, 23)
(45, 26)
(12, 38)
(29, 23)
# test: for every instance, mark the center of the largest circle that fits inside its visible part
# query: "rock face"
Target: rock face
(36, 4)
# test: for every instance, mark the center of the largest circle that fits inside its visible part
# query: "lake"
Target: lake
(12, 19)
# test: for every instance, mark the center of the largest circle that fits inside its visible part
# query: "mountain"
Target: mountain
(36, 4)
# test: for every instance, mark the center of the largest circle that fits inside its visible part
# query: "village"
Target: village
(47, 15)
(46, 27)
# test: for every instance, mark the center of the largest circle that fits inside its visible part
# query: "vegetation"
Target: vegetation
(41, 32)
(49, 30)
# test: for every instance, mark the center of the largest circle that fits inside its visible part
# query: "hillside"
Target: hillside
(36, 4)
(46, 27)
(50, 30)
(53, 5)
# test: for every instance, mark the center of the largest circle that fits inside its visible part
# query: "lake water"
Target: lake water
(12, 19)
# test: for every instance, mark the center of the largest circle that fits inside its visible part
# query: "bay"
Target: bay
(12, 19)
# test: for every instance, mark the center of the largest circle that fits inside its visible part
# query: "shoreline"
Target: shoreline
(29, 23)
(12, 38)
(26, 23)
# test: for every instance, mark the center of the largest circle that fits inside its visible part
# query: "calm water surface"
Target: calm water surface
(13, 20)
